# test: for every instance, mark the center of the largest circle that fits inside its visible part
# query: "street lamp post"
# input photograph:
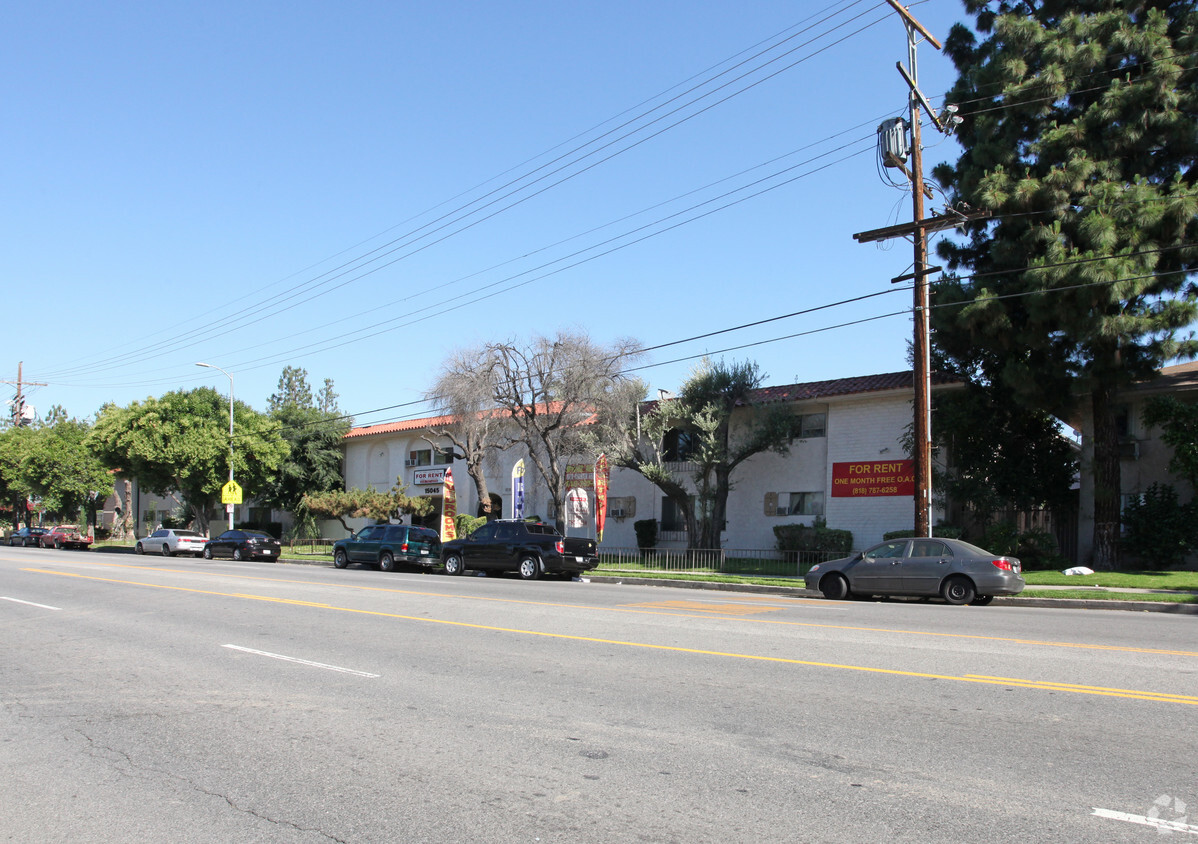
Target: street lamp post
(211, 366)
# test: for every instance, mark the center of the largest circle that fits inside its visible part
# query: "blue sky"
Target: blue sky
(350, 188)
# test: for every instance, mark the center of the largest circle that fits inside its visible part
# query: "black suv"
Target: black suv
(386, 545)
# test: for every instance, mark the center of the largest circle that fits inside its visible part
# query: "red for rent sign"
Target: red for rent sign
(873, 478)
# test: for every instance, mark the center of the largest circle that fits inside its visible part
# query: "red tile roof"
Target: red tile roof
(811, 390)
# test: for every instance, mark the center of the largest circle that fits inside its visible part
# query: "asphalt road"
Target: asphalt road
(148, 699)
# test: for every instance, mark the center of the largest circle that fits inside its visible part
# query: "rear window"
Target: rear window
(425, 535)
(544, 530)
(186, 533)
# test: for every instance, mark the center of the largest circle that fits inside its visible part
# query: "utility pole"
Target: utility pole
(918, 231)
(18, 404)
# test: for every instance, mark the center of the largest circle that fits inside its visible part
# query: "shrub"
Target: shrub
(1001, 538)
(794, 539)
(646, 533)
(465, 524)
(1038, 550)
(1158, 529)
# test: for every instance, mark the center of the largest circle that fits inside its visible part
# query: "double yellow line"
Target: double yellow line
(1133, 694)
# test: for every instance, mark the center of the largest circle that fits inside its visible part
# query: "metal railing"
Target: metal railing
(764, 562)
(300, 547)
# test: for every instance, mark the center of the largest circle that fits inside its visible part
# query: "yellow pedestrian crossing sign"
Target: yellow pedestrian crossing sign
(230, 493)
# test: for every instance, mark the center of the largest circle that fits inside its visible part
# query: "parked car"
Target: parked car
(243, 545)
(530, 548)
(956, 571)
(387, 545)
(27, 536)
(168, 542)
(65, 536)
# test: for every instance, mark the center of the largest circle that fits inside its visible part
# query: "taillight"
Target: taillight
(560, 546)
(404, 547)
(1005, 565)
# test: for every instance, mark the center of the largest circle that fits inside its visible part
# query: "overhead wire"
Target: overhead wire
(466, 211)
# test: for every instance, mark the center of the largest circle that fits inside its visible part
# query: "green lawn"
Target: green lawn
(1124, 579)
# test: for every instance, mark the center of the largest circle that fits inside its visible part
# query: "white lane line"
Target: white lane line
(301, 661)
(29, 603)
(1160, 824)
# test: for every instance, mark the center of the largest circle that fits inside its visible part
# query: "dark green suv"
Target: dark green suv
(387, 545)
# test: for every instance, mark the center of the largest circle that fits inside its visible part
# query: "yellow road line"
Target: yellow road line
(640, 609)
(1159, 697)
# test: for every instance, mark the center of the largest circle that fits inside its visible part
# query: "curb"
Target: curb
(799, 592)
(796, 592)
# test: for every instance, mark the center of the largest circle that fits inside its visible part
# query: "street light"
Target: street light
(211, 366)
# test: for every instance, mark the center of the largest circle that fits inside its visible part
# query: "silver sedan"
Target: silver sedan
(956, 571)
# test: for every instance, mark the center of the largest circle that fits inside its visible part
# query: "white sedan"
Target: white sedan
(168, 542)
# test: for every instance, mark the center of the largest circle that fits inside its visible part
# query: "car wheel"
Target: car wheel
(386, 561)
(339, 559)
(981, 600)
(530, 568)
(137, 549)
(207, 553)
(237, 555)
(453, 565)
(958, 590)
(166, 550)
(57, 545)
(834, 587)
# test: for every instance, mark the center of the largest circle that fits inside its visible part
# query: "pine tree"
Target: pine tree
(1080, 134)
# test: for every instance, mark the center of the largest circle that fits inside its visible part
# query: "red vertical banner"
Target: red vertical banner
(449, 508)
(602, 474)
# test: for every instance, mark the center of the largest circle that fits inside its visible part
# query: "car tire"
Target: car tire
(453, 565)
(958, 590)
(207, 553)
(339, 559)
(981, 600)
(834, 587)
(530, 568)
(166, 550)
(237, 555)
(386, 561)
(137, 549)
(57, 545)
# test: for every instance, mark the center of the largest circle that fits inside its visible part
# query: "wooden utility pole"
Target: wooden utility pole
(18, 404)
(918, 231)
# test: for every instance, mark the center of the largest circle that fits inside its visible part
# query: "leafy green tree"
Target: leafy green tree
(1160, 529)
(314, 436)
(365, 504)
(51, 462)
(1002, 453)
(1079, 137)
(180, 443)
(690, 446)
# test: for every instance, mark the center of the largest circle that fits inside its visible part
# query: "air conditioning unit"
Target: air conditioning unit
(409, 463)
(782, 511)
(616, 513)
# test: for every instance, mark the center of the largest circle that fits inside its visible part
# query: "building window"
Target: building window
(808, 425)
(803, 503)
(677, 446)
(672, 517)
(422, 457)
(443, 456)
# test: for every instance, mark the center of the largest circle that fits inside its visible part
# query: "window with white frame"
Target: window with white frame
(420, 457)
(443, 456)
(809, 425)
(803, 503)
